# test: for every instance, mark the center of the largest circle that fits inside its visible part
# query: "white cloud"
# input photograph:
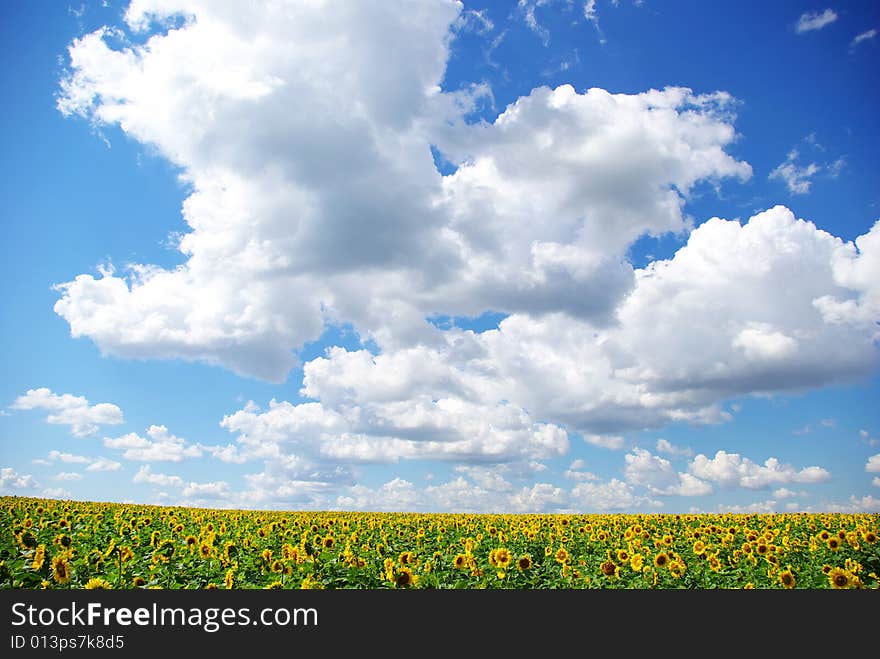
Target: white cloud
(104, 464)
(863, 36)
(733, 470)
(67, 476)
(209, 491)
(535, 222)
(457, 495)
(68, 457)
(659, 477)
(472, 20)
(11, 481)
(761, 507)
(605, 441)
(575, 472)
(74, 411)
(865, 504)
(665, 446)
(161, 446)
(146, 475)
(873, 464)
(611, 496)
(797, 179)
(810, 21)
(228, 453)
(92, 464)
(399, 422)
(784, 493)
(553, 170)
(56, 493)
(875, 481)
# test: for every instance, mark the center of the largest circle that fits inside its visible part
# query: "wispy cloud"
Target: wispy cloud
(864, 36)
(797, 179)
(810, 21)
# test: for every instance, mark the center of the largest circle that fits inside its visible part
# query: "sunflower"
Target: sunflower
(786, 578)
(205, 550)
(98, 584)
(661, 559)
(503, 558)
(61, 569)
(277, 566)
(27, 540)
(833, 543)
(609, 568)
(622, 555)
(699, 547)
(870, 537)
(460, 561)
(191, 542)
(524, 563)
(139, 581)
(636, 562)
(275, 585)
(405, 578)
(562, 555)
(840, 579)
(39, 558)
(328, 542)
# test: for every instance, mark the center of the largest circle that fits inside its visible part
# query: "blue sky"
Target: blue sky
(537, 256)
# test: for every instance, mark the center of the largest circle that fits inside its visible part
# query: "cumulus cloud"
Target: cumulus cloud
(576, 472)
(813, 20)
(865, 504)
(12, 482)
(67, 476)
(733, 470)
(56, 493)
(214, 490)
(873, 464)
(161, 446)
(146, 475)
(612, 496)
(659, 476)
(68, 457)
(311, 204)
(92, 464)
(665, 446)
(104, 464)
(66, 409)
(553, 170)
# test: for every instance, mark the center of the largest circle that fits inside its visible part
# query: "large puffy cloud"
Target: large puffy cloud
(771, 305)
(615, 495)
(12, 481)
(314, 195)
(733, 470)
(161, 446)
(313, 199)
(659, 477)
(66, 409)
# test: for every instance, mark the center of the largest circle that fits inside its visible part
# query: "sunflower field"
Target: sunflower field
(67, 544)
